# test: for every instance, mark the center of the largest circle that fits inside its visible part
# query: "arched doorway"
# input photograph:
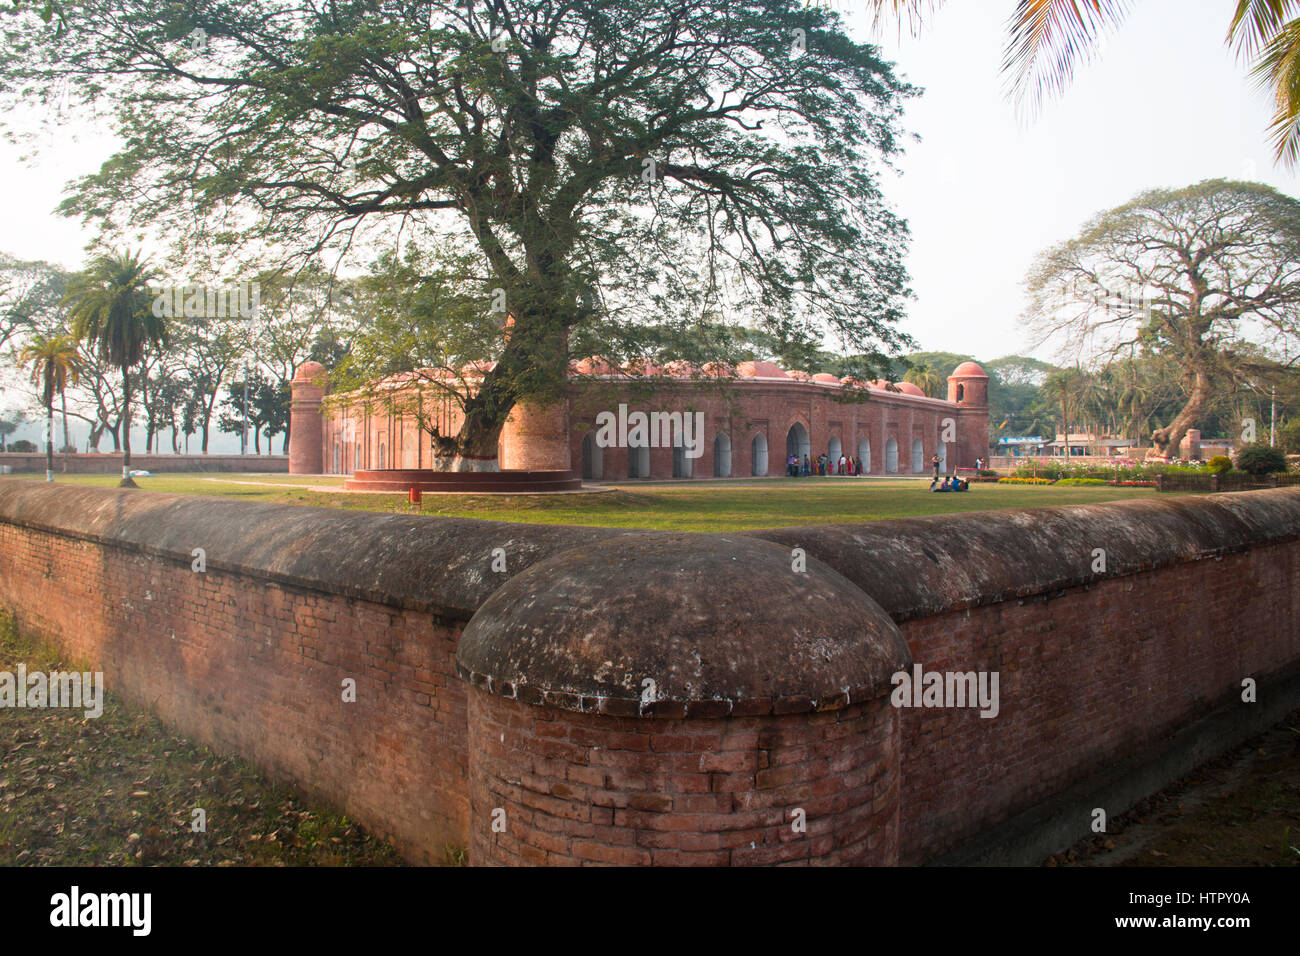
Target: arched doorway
(943, 457)
(798, 443)
(722, 456)
(891, 456)
(593, 458)
(638, 461)
(864, 454)
(758, 455)
(683, 467)
(918, 456)
(833, 451)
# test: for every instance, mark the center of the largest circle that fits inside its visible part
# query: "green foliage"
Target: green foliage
(611, 168)
(22, 445)
(1220, 463)
(111, 309)
(1289, 435)
(1261, 459)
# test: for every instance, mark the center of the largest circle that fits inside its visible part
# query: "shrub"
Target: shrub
(1220, 463)
(1083, 481)
(987, 473)
(1260, 459)
(21, 445)
(1024, 481)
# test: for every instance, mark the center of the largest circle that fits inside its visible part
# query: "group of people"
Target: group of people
(823, 465)
(950, 484)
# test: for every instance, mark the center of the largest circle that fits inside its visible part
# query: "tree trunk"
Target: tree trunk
(1165, 441)
(475, 447)
(63, 396)
(126, 430)
(49, 439)
(207, 420)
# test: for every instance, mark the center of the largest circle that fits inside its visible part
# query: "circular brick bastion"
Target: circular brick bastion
(706, 716)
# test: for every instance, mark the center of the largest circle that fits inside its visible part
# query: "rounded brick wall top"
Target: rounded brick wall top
(719, 624)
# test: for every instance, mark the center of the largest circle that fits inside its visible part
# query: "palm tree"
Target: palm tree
(112, 312)
(55, 362)
(926, 379)
(1049, 38)
(1065, 384)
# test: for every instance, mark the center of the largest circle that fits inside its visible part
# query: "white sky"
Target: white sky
(1166, 104)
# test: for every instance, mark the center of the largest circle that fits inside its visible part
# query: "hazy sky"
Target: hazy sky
(1165, 105)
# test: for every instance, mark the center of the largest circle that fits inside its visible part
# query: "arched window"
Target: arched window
(797, 442)
(593, 458)
(961, 393)
(638, 461)
(722, 456)
(683, 467)
(758, 455)
(383, 455)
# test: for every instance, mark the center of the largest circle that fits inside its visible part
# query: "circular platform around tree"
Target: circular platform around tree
(433, 482)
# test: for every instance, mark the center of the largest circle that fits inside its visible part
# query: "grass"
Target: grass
(120, 790)
(733, 505)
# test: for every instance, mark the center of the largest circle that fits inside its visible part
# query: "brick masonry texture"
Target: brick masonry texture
(568, 788)
(249, 657)
(745, 429)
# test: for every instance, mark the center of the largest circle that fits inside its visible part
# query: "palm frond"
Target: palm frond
(1049, 38)
(916, 12)
(1277, 69)
(1256, 22)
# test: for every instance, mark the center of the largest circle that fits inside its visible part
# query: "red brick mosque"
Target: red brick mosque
(761, 416)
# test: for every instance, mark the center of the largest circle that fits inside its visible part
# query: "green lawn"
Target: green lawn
(679, 506)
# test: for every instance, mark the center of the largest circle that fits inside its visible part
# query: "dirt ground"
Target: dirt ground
(121, 790)
(1242, 809)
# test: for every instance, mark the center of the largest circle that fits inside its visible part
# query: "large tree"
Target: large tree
(602, 163)
(1195, 275)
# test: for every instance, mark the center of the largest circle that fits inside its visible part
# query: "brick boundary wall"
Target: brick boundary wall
(768, 689)
(21, 462)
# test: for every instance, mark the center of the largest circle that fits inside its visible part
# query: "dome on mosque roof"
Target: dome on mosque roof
(760, 370)
(307, 371)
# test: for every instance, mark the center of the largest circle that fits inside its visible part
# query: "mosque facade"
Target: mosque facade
(744, 427)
